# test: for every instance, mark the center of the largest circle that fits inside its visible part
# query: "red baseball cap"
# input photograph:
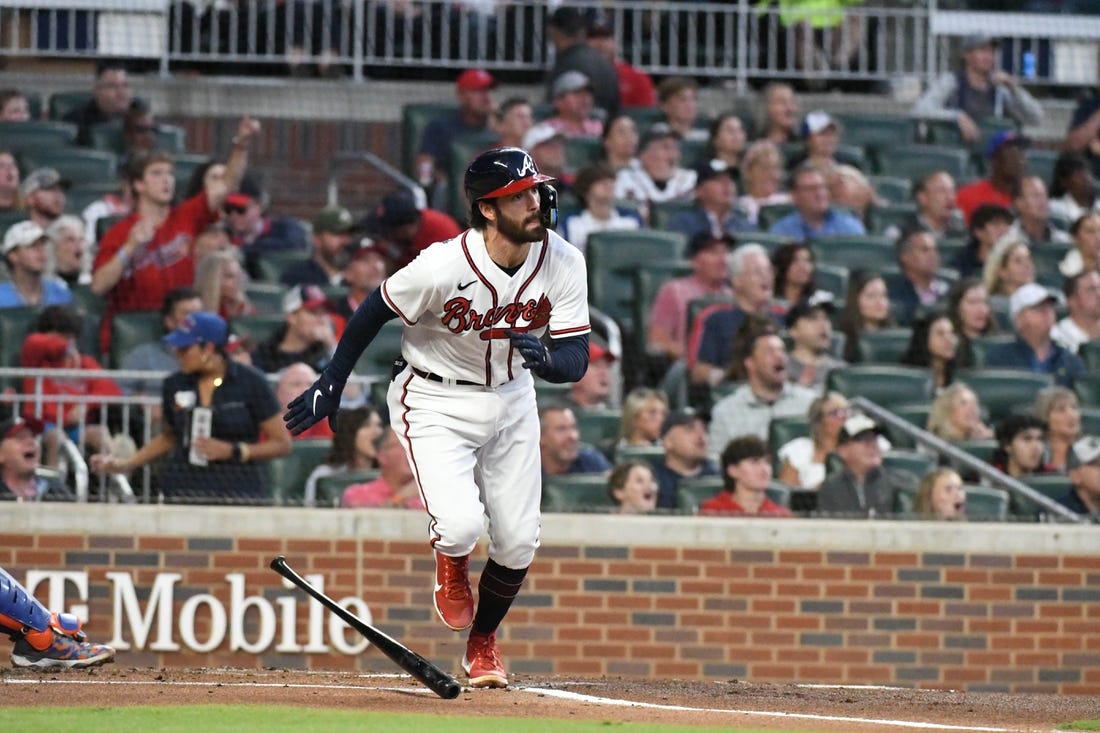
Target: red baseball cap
(475, 79)
(10, 427)
(597, 352)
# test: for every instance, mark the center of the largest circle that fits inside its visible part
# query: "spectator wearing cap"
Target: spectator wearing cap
(977, 91)
(253, 231)
(678, 98)
(24, 251)
(111, 98)
(1005, 153)
(635, 86)
(400, 227)
(814, 215)
(988, 224)
(1082, 324)
(473, 88)
(150, 252)
(760, 360)
(1084, 472)
(225, 460)
(1033, 214)
(655, 176)
(546, 144)
(43, 192)
(307, 335)
(687, 455)
(821, 137)
(920, 285)
(567, 31)
(512, 120)
(595, 190)
(709, 278)
(746, 473)
(365, 270)
(862, 486)
(810, 328)
(560, 444)
(573, 103)
(713, 212)
(593, 390)
(1032, 311)
(712, 337)
(332, 227)
(20, 456)
(934, 194)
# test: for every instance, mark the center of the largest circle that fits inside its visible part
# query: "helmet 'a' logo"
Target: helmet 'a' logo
(528, 168)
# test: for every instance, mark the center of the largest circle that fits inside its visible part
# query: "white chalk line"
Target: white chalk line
(549, 692)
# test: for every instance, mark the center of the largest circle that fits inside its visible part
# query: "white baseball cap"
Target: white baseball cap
(539, 134)
(817, 121)
(22, 234)
(1084, 451)
(1029, 296)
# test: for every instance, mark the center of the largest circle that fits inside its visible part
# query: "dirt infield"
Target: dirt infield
(725, 704)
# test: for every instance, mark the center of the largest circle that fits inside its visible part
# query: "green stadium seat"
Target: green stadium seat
(882, 218)
(287, 475)
(779, 493)
(950, 248)
(768, 241)
(78, 165)
(258, 326)
(272, 264)
(915, 463)
(648, 280)
(1087, 387)
(88, 302)
(644, 117)
(1048, 257)
(883, 385)
(34, 104)
(856, 252)
(1090, 420)
(15, 324)
(104, 223)
(833, 278)
(661, 214)
(582, 151)
(653, 455)
(914, 161)
(873, 132)
(904, 501)
(986, 503)
(885, 346)
(131, 329)
(1000, 390)
(914, 414)
(23, 137)
(613, 257)
(330, 489)
(80, 196)
(184, 166)
(782, 430)
(576, 493)
(265, 297)
(61, 103)
(462, 151)
(981, 345)
(108, 136)
(7, 218)
(1053, 486)
(1040, 163)
(414, 119)
(772, 213)
(982, 449)
(893, 189)
(691, 492)
(599, 427)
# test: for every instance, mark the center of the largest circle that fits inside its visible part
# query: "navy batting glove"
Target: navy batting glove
(321, 400)
(536, 356)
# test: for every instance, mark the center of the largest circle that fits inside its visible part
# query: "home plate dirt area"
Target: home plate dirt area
(723, 704)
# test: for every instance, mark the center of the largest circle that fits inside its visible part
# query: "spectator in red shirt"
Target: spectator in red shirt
(636, 88)
(746, 472)
(396, 487)
(404, 229)
(1006, 168)
(151, 251)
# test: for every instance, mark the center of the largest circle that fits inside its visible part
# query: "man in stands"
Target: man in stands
(684, 438)
(811, 330)
(1033, 214)
(573, 104)
(255, 233)
(44, 195)
(24, 251)
(988, 223)
(155, 355)
(1082, 325)
(1032, 310)
(934, 195)
(473, 88)
(20, 457)
(814, 216)
(331, 236)
(656, 176)
(679, 103)
(547, 148)
(863, 486)
(919, 260)
(149, 252)
(567, 31)
(561, 447)
(404, 230)
(512, 121)
(308, 335)
(365, 270)
(746, 473)
(1005, 153)
(111, 99)
(1083, 464)
(713, 212)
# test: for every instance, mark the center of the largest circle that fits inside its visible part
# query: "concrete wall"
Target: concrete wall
(973, 606)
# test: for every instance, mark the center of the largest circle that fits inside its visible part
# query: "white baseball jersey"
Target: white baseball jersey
(456, 304)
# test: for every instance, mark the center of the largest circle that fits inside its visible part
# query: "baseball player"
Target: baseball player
(44, 640)
(462, 399)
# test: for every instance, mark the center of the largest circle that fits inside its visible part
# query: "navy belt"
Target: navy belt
(443, 380)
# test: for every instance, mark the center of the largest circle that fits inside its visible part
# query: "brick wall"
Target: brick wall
(821, 601)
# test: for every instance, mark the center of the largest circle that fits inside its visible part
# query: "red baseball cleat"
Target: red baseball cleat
(482, 662)
(454, 601)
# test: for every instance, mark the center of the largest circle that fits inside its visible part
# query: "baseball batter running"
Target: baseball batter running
(462, 399)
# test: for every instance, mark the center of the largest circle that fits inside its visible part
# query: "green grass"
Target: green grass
(259, 719)
(1081, 725)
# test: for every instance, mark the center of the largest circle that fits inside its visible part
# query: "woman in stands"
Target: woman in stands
(354, 447)
(1085, 254)
(620, 142)
(220, 282)
(1074, 191)
(644, 411)
(971, 314)
(956, 415)
(595, 189)
(1060, 409)
(866, 309)
(940, 495)
(10, 200)
(1020, 447)
(794, 273)
(633, 488)
(802, 460)
(727, 141)
(933, 345)
(779, 121)
(1008, 267)
(762, 179)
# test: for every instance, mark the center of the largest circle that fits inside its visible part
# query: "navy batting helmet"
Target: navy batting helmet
(501, 172)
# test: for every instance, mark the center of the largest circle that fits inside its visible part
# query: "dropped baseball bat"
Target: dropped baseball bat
(420, 668)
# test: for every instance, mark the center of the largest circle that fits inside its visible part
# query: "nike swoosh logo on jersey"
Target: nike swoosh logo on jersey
(463, 287)
(438, 587)
(316, 394)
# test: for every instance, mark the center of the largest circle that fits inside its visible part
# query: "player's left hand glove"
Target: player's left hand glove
(321, 400)
(536, 356)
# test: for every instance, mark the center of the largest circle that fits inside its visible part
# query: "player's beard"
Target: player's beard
(519, 232)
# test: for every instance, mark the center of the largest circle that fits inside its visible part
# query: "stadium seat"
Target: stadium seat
(1051, 485)
(23, 137)
(770, 242)
(661, 214)
(265, 297)
(287, 475)
(107, 136)
(982, 448)
(1087, 387)
(644, 117)
(599, 427)
(184, 166)
(463, 150)
(913, 462)
(648, 280)
(131, 329)
(779, 493)
(1000, 390)
(576, 493)
(86, 301)
(914, 414)
(378, 358)
(772, 213)
(1090, 420)
(883, 385)
(581, 152)
(986, 503)
(258, 326)
(904, 500)
(833, 278)
(914, 161)
(77, 165)
(272, 264)
(1048, 257)
(612, 259)
(691, 492)
(79, 197)
(856, 252)
(950, 248)
(330, 489)
(872, 132)
(653, 455)
(1040, 163)
(880, 219)
(782, 430)
(414, 118)
(104, 223)
(894, 190)
(15, 324)
(61, 103)
(883, 347)
(981, 345)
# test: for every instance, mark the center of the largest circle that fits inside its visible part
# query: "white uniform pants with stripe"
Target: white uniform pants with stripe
(475, 453)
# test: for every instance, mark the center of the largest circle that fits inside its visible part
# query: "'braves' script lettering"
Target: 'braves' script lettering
(459, 316)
